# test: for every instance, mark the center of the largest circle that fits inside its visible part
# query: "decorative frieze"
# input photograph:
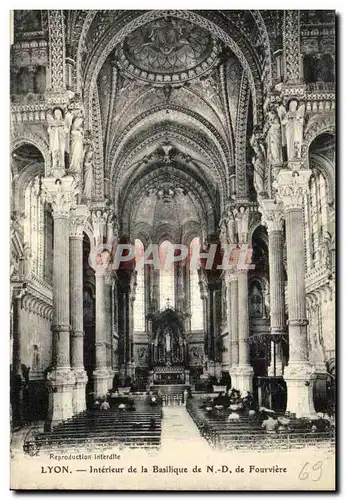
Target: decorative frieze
(291, 46)
(57, 50)
(30, 53)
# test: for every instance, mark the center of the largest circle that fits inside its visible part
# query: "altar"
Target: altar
(166, 375)
(168, 353)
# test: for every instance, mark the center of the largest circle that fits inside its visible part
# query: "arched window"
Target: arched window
(318, 217)
(196, 304)
(34, 227)
(166, 275)
(139, 304)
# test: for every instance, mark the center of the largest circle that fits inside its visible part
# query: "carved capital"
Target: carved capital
(291, 187)
(272, 215)
(79, 216)
(61, 194)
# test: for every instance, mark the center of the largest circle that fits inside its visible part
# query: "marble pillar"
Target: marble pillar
(291, 188)
(228, 344)
(131, 364)
(234, 328)
(61, 194)
(108, 328)
(101, 373)
(273, 218)
(244, 370)
(17, 378)
(79, 216)
(204, 298)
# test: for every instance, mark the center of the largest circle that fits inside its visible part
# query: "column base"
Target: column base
(78, 394)
(299, 382)
(101, 380)
(60, 384)
(242, 378)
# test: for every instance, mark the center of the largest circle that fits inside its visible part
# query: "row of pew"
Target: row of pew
(247, 432)
(103, 428)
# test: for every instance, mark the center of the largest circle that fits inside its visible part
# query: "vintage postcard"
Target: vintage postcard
(172, 249)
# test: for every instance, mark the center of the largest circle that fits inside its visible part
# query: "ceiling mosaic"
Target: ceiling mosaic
(168, 51)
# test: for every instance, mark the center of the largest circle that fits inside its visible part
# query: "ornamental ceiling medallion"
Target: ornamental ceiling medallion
(168, 51)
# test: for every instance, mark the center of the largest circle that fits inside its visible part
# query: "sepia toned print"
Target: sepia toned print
(173, 250)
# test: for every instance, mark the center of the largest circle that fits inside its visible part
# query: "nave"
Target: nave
(195, 424)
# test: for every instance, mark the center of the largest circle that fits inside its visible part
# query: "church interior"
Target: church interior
(191, 128)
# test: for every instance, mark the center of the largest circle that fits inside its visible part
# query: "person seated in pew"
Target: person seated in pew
(247, 400)
(234, 396)
(218, 400)
(270, 424)
(206, 403)
(97, 404)
(152, 423)
(153, 400)
(233, 415)
(131, 406)
(105, 405)
(122, 407)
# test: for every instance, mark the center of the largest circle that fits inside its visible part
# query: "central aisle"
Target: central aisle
(178, 429)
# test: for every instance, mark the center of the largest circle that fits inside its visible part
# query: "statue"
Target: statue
(223, 235)
(27, 255)
(325, 250)
(259, 163)
(267, 302)
(292, 128)
(58, 128)
(77, 151)
(227, 227)
(168, 341)
(242, 220)
(110, 229)
(88, 172)
(274, 139)
(98, 227)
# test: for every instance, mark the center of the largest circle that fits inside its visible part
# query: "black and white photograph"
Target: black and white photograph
(172, 250)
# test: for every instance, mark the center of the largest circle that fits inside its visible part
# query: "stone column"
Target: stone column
(244, 371)
(204, 298)
(234, 327)
(291, 187)
(272, 213)
(101, 373)
(108, 328)
(131, 301)
(61, 194)
(17, 379)
(78, 218)
(227, 361)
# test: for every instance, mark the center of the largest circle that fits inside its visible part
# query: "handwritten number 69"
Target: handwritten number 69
(316, 468)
